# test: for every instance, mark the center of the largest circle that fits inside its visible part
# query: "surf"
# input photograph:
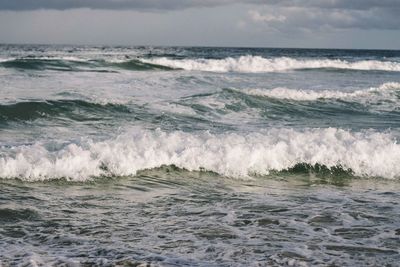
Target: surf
(258, 64)
(365, 154)
(388, 91)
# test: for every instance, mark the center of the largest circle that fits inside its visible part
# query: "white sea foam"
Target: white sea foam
(230, 154)
(6, 59)
(260, 64)
(386, 90)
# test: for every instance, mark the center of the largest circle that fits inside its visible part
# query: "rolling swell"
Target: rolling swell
(376, 108)
(80, 65)
(65, 109)
(378, 101)
(38, 64)
(138, 65)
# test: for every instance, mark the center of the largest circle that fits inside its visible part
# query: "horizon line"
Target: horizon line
(199, 46)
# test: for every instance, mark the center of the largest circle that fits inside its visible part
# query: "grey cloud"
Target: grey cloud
(182, 4)
(328, 15)
(337, 4)
(111, 4)
(270, 24)
(280, 15)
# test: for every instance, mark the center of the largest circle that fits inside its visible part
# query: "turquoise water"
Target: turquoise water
(198, 156)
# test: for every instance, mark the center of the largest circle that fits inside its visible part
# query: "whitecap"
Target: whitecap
(230, 154)
(259, 64)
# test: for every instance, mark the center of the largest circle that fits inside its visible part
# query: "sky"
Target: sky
(249, 23)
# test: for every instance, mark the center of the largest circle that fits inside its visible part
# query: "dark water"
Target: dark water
(198, 156)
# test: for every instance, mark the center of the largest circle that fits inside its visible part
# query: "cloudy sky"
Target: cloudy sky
(262, 23)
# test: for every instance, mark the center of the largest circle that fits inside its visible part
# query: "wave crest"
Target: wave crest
(256, 64)
(233, 155)
(247, 64)
(385, 90)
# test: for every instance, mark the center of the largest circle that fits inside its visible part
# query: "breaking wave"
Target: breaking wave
(367, 154)
(384, 91)
(260, 64)
(247, 64)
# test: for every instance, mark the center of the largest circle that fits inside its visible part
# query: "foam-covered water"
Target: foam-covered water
(261, 64)
(388, 91)
(198, 156)
(231, 154)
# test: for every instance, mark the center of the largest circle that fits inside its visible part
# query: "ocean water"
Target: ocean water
(194, 156)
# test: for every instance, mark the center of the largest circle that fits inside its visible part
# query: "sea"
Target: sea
(199, 156)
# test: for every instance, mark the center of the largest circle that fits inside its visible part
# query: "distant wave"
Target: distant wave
(58, 64)
(31, 110)
(139, 65)
(369, 154)
(384, 98)
(247, 64)
(77, 64)
(385, 91)
(259, 64)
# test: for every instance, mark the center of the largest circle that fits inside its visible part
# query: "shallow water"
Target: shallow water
(176, 218)
(198, 156)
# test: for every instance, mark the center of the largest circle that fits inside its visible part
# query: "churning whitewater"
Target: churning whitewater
(385, 92)
(261, 64)
(234, 155)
